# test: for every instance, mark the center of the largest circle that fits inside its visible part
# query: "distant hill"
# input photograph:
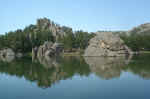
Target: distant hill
(143, 29)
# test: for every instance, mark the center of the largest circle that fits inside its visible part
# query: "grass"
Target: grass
(144, 52)
(72, 54)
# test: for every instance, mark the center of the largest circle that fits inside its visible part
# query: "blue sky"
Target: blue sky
(89, 15)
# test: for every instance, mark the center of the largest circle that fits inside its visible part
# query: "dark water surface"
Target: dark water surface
(76, 78)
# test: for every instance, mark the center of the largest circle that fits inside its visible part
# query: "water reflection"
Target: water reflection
(140, 65)
(49, 62)
(45, 75)
(106, 67)
(47, 72)
(7, 58)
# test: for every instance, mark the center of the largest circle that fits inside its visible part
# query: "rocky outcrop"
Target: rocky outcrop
(46, 24)
(45, 50)
(48, 49)
(106, 44)
(7, 55)
(34, 53)
(143, 29)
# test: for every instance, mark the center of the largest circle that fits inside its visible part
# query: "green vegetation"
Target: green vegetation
(140, 66)
(137, 42)
(46, 30)
(35, 35)
(76, 40)
(138, 38)
(24, 40)
(66, 68)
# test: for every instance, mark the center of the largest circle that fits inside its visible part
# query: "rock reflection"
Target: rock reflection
(44, 74)
(47, 72)
(7, 58)
(140, 65)
(107, 67)
(49, 62)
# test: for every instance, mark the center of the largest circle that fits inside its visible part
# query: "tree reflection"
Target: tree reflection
(140, 65)
(46, 73)
(112, 67)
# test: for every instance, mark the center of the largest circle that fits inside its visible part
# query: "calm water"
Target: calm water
(76, 78)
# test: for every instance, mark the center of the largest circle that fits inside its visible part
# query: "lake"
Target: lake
(76, 78)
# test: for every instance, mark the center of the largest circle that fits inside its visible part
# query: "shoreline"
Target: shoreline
(79, 53)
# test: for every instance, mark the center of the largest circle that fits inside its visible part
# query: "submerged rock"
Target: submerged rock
(106, 44)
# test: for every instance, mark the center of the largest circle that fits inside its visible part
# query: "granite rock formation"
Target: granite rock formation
(106, 44)
(143, 29)
(7, 55)
(46, 24)
(48, 49)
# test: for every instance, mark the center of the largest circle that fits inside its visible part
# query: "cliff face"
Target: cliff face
(106, 44)
(46, 24)
(45, 29)
(47, 50)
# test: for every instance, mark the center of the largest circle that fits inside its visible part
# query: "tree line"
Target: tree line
(23, 40)
(137, 41)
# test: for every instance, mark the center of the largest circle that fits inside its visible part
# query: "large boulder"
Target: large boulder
(106, 44)
(44, 49)
(7, 55)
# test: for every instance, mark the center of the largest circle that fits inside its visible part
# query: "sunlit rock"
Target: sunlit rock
(46, 24)
(107, 44)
